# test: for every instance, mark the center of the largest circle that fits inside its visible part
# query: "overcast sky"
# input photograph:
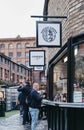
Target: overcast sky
(15, 17)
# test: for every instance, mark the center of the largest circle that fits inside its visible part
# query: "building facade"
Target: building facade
(18, 50)
(65, 68)
(11, 72)
(72, 25)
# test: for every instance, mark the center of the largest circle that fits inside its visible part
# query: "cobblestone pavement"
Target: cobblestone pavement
(15, 123)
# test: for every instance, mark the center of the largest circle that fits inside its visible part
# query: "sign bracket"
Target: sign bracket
(46, 16)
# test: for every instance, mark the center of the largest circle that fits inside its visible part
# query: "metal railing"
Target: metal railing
(64, 116)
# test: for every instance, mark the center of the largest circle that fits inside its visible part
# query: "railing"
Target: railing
(64, 116)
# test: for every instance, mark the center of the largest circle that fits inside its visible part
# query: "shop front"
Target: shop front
(66, 86)
(66, 72)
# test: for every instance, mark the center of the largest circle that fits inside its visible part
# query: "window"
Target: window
(34, 44)
(27, 63)
(19, 45)
(13, 66)
(1, 73)
(20, 69)
(27, 45)
(2, 59)
(5, 61)
(18, 54)
(78, 94)
(2, 46)
(11, 55)
(17, 68)
(60, 80)
(27, 54)
(19, 62)
(10, 45)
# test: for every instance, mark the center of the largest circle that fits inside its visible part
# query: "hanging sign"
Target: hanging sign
(48, 34)
(36, 57)
(39, 68)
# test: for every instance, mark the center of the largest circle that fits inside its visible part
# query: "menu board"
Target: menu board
(77, 96)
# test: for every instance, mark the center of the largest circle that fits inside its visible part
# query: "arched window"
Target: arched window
(34, 44)
(27, 54)
(11, 55)
(18, 54)
(10, 45)
(19, 45)
(27, 45)
(2, 46)
(27, 63)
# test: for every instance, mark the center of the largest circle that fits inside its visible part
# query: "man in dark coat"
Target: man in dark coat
(26, 89)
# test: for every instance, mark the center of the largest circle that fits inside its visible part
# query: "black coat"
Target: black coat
(25, 90)
(35, 99)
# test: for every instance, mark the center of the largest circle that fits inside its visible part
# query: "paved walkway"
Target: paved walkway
(15, 123)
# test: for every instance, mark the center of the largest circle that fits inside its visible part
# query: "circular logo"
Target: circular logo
(49, 34)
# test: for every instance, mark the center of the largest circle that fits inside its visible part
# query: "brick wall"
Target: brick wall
(73, 25)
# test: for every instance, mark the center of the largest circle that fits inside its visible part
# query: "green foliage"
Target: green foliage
(7, 83)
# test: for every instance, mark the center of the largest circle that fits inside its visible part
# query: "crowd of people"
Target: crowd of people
(29, 100)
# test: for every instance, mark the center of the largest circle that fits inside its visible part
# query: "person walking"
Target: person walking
(26, 89)
(35, 103)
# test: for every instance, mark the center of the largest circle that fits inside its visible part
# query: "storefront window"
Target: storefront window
(78, 95)
(60, 80)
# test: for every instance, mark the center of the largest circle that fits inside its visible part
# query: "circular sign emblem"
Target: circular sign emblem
(49, 34)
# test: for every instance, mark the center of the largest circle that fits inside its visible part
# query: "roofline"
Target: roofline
(21, 65)
(17, 39)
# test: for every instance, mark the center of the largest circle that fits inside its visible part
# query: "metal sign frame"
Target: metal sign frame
(48, 34)
(38, 68)
(37, 57)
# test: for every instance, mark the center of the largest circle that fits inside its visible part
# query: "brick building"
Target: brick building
(73, 25)
(18, 50)
(66, 63)
(66, 66)
(11, 72)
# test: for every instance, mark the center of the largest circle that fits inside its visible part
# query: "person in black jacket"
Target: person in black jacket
(26, 89)
(35, 103)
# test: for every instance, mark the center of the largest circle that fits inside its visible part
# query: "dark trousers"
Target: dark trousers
(42, 112)
(25, 114)
(21, 109)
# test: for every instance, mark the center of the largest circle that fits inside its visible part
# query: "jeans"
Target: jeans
(34, 117)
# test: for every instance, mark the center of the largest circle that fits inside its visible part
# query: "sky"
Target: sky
(15, 17)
